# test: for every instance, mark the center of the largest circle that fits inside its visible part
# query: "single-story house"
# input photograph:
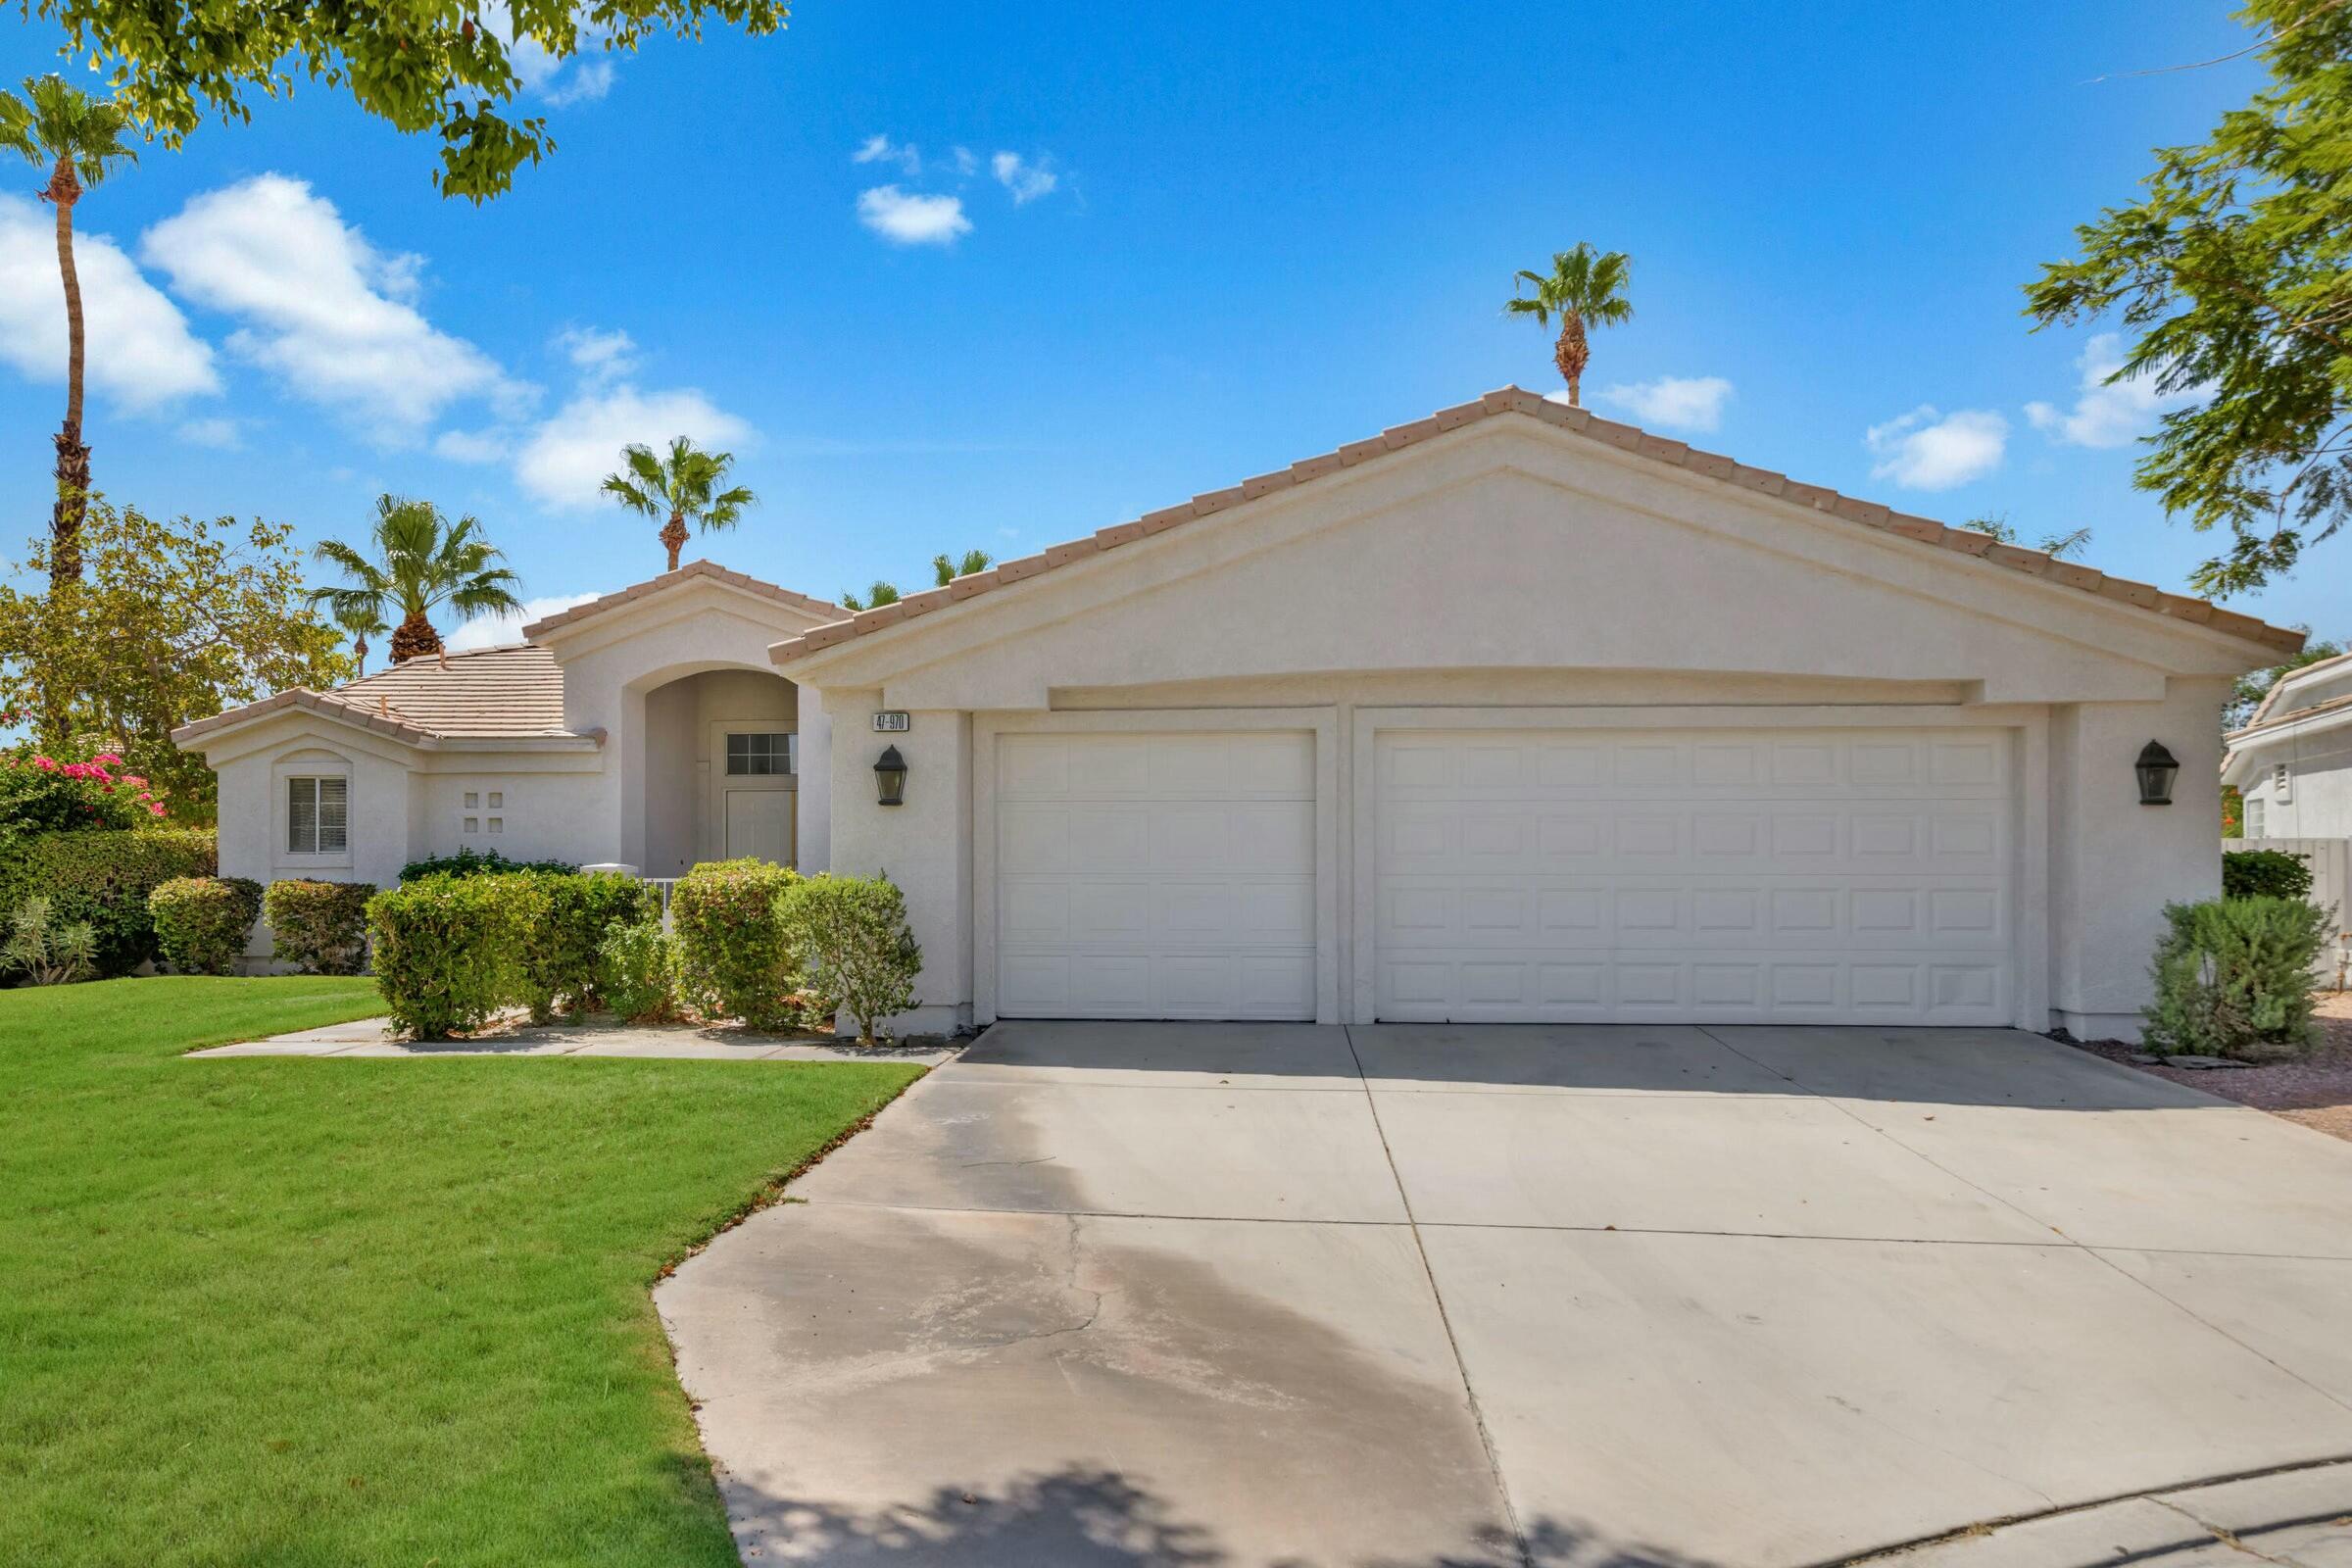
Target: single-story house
(1509, 713)
(2292, 761)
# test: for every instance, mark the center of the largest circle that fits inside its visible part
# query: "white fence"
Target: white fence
(2331, 862)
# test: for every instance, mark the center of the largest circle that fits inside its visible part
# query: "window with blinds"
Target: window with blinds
(318, 815)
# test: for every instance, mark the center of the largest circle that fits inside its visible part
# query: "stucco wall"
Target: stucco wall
(680, 826)
(925, 845)
(2318, 803)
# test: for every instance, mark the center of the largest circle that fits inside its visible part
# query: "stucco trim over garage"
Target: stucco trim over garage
(2179, 608)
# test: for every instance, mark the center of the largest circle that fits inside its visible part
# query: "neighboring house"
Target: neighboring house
(646, 728)
(2292, 761)
(1509, 713)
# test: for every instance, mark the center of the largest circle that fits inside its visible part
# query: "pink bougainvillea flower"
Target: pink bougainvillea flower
(156, 810)
(47, 763)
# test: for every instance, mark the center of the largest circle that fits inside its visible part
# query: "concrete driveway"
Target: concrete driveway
(1433, 1297)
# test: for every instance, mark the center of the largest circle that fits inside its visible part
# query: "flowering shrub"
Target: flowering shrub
(39, 794)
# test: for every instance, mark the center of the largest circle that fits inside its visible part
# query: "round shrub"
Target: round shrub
(851, 932)
(637, 972)
(559, 962)
(319, 927)
(733, 958)
(101, 879)
(2233, 978)
(449, 951)
(2265, 875)
(202, 924)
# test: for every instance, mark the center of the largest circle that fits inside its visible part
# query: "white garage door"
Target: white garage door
(1156, 876)
(1858, 876)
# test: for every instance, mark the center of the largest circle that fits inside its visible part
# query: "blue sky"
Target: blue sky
(1094, 261)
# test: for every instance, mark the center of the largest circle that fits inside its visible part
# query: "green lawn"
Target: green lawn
(288, 1312)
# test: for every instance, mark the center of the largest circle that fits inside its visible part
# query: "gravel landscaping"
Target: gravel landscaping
(2316, 1091)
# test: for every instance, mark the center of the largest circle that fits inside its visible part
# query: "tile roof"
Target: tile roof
(514, 693)
(1624, 437)
(2260, 715)
(686, 573)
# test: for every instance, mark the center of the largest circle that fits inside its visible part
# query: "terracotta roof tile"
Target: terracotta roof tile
(1630, 438)
(511, 693)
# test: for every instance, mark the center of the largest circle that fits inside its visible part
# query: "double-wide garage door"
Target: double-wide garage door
(1735, 876)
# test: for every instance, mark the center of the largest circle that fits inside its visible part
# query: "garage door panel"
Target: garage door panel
(1156, 876)
(1820, 878)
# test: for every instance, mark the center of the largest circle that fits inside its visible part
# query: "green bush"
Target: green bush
(202, 924)
(850, 934)
(477, 862)
(319, 927)
(637, 972)
(45, 950)
(733, 958)
(101, 878)
(2265, 875)
(449, 951)
(560, 960)
(2233, 978)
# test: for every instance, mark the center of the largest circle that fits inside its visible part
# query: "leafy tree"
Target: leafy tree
(944, 570)
(78, 139)
(1585, 289)
(420, 564)
(682, 487)
(2061, 544)
(2235, 265)
(880, 593)
(2252, 687)
(451, 68)
(172, 620)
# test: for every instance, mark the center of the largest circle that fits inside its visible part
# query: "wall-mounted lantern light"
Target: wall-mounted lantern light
(890, 777)
(2155, 767)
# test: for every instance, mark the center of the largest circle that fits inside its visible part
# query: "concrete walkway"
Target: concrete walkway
(1468, 1297)
(602, 1037)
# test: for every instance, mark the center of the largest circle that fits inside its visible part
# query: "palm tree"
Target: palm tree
(880, 593)
(946, 569)
(420, 564)
(1585, 289)
(362, 622)
(684, 488)
(78, 139)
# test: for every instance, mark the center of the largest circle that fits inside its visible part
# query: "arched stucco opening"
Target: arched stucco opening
(721, 766)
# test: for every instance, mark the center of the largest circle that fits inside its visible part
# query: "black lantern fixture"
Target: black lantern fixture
(2155, 767)
(889, 776)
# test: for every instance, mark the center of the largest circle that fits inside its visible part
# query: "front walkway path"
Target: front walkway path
(374, 1036)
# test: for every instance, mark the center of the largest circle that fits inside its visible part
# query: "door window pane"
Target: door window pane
(760, 755)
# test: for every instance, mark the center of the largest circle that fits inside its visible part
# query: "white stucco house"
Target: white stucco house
(2292, 761)
(1509, 713)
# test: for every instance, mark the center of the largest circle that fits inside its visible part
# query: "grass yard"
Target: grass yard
(287, 1310)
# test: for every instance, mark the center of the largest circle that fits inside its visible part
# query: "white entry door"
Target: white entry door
(1156, 876)
(1733, 877)
(759, 824)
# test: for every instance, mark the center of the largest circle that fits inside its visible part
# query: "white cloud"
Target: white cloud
(223, 435)
(565, 459)
(597, 356)
(472, 446)
(2105, 415)
(906, 218)
(320, 306)
(140, 350)
(1925, 450)
(1677, 402)
(967, 161)
(496, 631)
(582, 78)
(1026, 180)
(882, 150)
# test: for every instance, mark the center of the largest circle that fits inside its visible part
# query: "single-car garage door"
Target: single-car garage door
(1842, 876)
(1156, 876)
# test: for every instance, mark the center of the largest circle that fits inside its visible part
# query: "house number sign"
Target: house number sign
(891, 723)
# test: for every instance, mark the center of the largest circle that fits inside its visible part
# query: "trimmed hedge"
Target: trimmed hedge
(319, 927)
(2265, 875)
(449, 950)
(852, 934)
(2233, 978)
(202, 924)
(637, 972)
(560, 960)
(102, 877)
(479, 863)
(733, 955)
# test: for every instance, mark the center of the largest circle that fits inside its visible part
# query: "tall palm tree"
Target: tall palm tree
(682, 487)
(421, 562)
(1585, 289)
(362, 622)
(78, 139)
(946, 568)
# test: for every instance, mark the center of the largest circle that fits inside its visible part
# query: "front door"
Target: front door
(759, 824)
